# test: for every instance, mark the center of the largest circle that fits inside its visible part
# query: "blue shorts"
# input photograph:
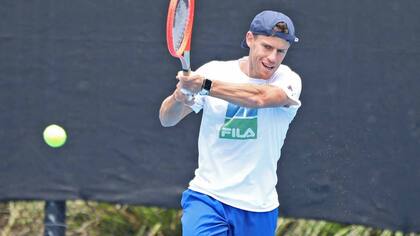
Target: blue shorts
(204, 215)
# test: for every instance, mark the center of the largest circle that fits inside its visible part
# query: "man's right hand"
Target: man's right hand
(175, 107)
(179, 96)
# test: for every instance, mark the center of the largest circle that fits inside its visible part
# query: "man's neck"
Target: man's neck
(244, 66)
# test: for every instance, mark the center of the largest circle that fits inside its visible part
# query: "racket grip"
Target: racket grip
(186, 72)
(184, 91)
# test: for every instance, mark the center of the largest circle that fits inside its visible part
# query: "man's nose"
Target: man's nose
(272, 56)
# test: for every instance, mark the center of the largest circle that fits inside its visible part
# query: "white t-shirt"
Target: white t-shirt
(239, 147)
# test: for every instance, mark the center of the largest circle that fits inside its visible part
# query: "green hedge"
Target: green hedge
(103, 219)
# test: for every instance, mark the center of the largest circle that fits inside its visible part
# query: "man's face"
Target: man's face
(266, 53)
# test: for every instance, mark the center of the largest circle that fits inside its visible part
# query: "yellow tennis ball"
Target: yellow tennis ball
(55, 136)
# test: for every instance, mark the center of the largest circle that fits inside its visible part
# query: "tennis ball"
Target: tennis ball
(55, 136)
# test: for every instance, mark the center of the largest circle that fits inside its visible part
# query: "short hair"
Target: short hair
(280, 27)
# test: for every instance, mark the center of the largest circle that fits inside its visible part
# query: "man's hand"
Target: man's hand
(179, 96)
(191, 82)
(175, 107)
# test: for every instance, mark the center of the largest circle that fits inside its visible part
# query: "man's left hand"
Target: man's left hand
(191, 82)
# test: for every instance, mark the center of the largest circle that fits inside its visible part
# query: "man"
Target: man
(247, 106)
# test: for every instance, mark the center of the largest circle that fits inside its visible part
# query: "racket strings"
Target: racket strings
(180, 23)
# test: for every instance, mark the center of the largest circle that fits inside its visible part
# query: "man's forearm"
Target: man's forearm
(249, 95)
(172, 111)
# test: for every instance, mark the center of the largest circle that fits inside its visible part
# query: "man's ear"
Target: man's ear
(250, 38)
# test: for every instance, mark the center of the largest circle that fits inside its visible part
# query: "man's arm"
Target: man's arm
(251, 95)
(174, 108)
(246, 95)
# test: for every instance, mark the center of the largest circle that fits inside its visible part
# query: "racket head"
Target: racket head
(179, 26)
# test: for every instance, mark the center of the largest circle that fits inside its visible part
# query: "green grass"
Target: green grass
(102, 219)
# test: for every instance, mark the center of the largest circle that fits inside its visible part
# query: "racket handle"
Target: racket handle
(186, 72)
(184, 91)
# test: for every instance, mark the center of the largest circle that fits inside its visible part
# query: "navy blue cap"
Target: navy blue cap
(264, 22)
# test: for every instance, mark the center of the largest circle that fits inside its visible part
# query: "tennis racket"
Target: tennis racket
(179, 26)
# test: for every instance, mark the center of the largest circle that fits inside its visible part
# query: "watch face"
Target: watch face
(206, 87)
(207, 84)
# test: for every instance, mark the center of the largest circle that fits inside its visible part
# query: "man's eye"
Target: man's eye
(267, 46)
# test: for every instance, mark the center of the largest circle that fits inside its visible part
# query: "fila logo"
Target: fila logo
(237, 133)
(240, 123)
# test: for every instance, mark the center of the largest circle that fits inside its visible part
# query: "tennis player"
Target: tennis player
(247, 106)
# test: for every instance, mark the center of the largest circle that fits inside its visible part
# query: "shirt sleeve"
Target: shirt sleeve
(292, 86)
(198, 103)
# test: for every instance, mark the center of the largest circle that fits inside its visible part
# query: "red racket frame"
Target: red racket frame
(183, 51)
